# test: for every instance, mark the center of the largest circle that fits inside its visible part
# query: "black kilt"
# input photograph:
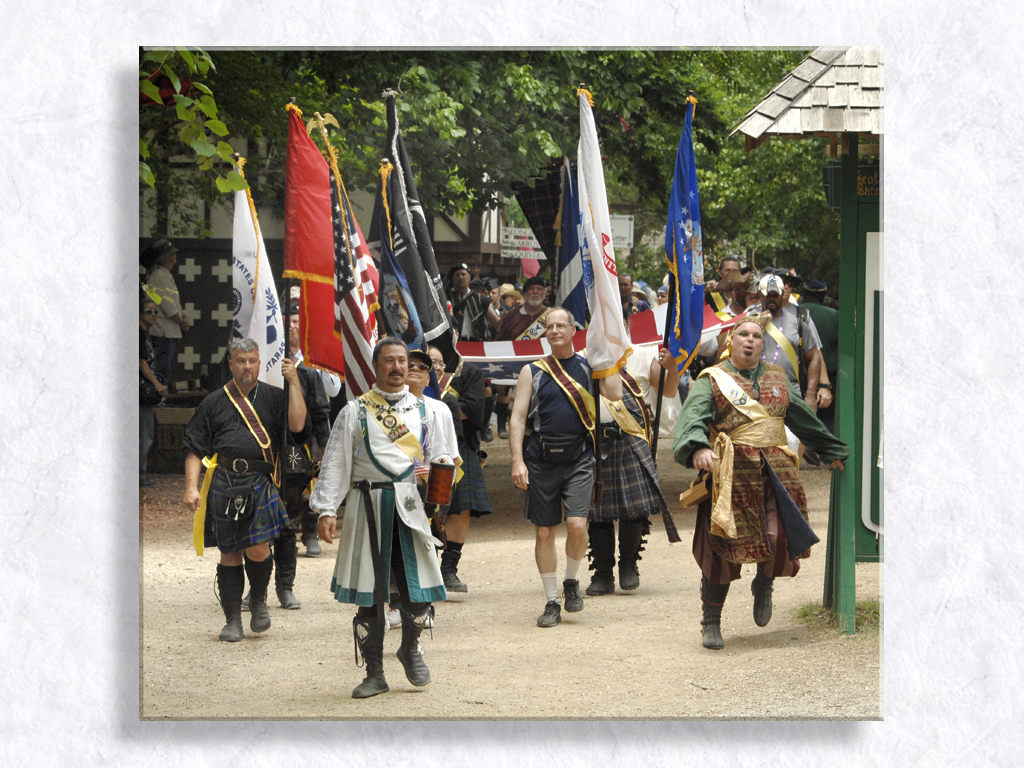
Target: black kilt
(269, 519)
(631, 489)
(471, 492)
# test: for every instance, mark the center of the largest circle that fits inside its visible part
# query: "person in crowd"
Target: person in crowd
(159, 259)
(730, 430)
(238, 430)
(147, 360)
(631, 304)
(551, 441)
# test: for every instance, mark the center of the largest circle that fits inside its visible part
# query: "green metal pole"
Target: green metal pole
(841, 579)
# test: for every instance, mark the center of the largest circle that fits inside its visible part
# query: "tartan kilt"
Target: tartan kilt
(471, 492)
(631, 489)
(269, 519)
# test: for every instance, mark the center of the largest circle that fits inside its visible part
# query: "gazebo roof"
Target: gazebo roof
(833, 91)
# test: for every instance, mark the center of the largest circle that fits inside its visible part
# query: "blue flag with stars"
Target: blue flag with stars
(685, 255)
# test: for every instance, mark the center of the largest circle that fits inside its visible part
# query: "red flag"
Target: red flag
(309, 246)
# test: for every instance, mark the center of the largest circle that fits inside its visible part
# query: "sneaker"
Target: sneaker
(502, 433)
(487, 435)
(573, 598)
(552, 615)
(394, 617)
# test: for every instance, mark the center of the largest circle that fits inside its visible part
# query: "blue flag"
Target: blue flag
(398, 310)
(685, 254)
(571, 293)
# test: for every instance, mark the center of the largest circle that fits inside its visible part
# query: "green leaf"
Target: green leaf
(202, 147)
(225, 151)
(157, 56)
(190, 133)
(232, 182)
(190, 60)
(217, 127)
(150, 89)
(143, 148)
(146, 175)
(182, 111)
(203, 88)
(175, 82)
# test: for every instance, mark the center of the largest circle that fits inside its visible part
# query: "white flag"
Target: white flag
(257, 313)
(607, 341)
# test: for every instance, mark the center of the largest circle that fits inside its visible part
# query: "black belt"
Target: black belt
(366, 485)
(245, 465)
(612, 431)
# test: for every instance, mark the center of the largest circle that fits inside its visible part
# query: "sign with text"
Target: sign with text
(622, 231)
(518, 237)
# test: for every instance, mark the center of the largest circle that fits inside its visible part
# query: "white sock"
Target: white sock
(572, 567)
(550, 582)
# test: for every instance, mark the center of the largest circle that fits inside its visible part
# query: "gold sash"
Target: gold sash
(576, 394)
(530, 332)
(622, 415)
(762, 431)
(783, 342)
(199, 520)
(398, 432)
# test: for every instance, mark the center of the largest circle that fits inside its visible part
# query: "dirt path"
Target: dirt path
(627, 655)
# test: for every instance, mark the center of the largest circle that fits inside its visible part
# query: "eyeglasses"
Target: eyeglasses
(149, 311)
(559, 326)
(420, 366)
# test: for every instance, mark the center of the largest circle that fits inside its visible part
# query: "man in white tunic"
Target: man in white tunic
(378, 442)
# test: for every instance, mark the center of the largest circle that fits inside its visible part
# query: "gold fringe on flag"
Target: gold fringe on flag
(589, 96)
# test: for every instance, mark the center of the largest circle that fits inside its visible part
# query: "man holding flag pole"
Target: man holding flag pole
(236, 432)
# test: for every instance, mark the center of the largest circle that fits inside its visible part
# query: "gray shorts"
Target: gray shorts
(554, 485)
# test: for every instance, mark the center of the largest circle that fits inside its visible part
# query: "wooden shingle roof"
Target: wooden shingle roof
(833, 91)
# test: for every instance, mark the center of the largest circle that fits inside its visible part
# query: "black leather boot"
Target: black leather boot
(259, 580)
(230, 584)
(409, 651)
(761, 589)
(602, 558)
(450, 568)
(285, 554)
(486, 434)
(631, 544)
(712, 598)
(369, 636)
(501, 411)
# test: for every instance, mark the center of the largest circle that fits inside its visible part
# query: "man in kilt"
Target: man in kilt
(631, 489)
(380, 443)
(732, 426)
(238, 429)
(470, 497)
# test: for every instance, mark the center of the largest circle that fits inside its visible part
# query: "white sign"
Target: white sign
(518, 237)
(523, 254)
(622, 232)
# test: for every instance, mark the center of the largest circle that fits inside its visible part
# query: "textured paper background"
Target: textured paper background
(69, 614)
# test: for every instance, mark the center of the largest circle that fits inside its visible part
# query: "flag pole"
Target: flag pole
(661, 384)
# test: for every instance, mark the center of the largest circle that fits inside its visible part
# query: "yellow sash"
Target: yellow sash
(588, 399)
(408, 442)
(719, 300)
(199, 520)
(623, 417)
(783, 342)
(763, 431)
(536, 333)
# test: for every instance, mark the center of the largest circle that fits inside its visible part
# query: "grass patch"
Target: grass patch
(867, 618)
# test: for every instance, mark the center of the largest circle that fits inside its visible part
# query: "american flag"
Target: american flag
(353, 318)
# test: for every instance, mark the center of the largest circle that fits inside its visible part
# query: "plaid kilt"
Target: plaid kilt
(631, 489)
(269, 519)
(471, 492)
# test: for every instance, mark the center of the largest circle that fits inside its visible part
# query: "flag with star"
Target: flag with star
(684, 253)
(351, 314)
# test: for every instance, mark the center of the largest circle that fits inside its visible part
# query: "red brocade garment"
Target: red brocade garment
(751, 543)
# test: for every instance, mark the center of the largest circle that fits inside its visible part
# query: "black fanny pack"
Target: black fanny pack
(560, 449)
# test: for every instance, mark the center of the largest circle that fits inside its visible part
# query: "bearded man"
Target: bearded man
(731, 427)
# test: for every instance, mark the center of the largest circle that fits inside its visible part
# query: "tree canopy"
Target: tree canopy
(476, 122)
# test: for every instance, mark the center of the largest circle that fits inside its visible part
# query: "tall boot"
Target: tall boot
(602, 558)
(369, 636)
(230, 584)
(631, 544)
(409, 651)
(761, 589)
(501, 411)
(486, 434)
(285, 553)
(450, 567)
(712, 598)
(259, 580)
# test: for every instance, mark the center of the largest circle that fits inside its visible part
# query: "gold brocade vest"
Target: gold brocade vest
(751, 542)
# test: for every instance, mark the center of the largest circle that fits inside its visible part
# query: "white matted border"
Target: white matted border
(953, 618)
